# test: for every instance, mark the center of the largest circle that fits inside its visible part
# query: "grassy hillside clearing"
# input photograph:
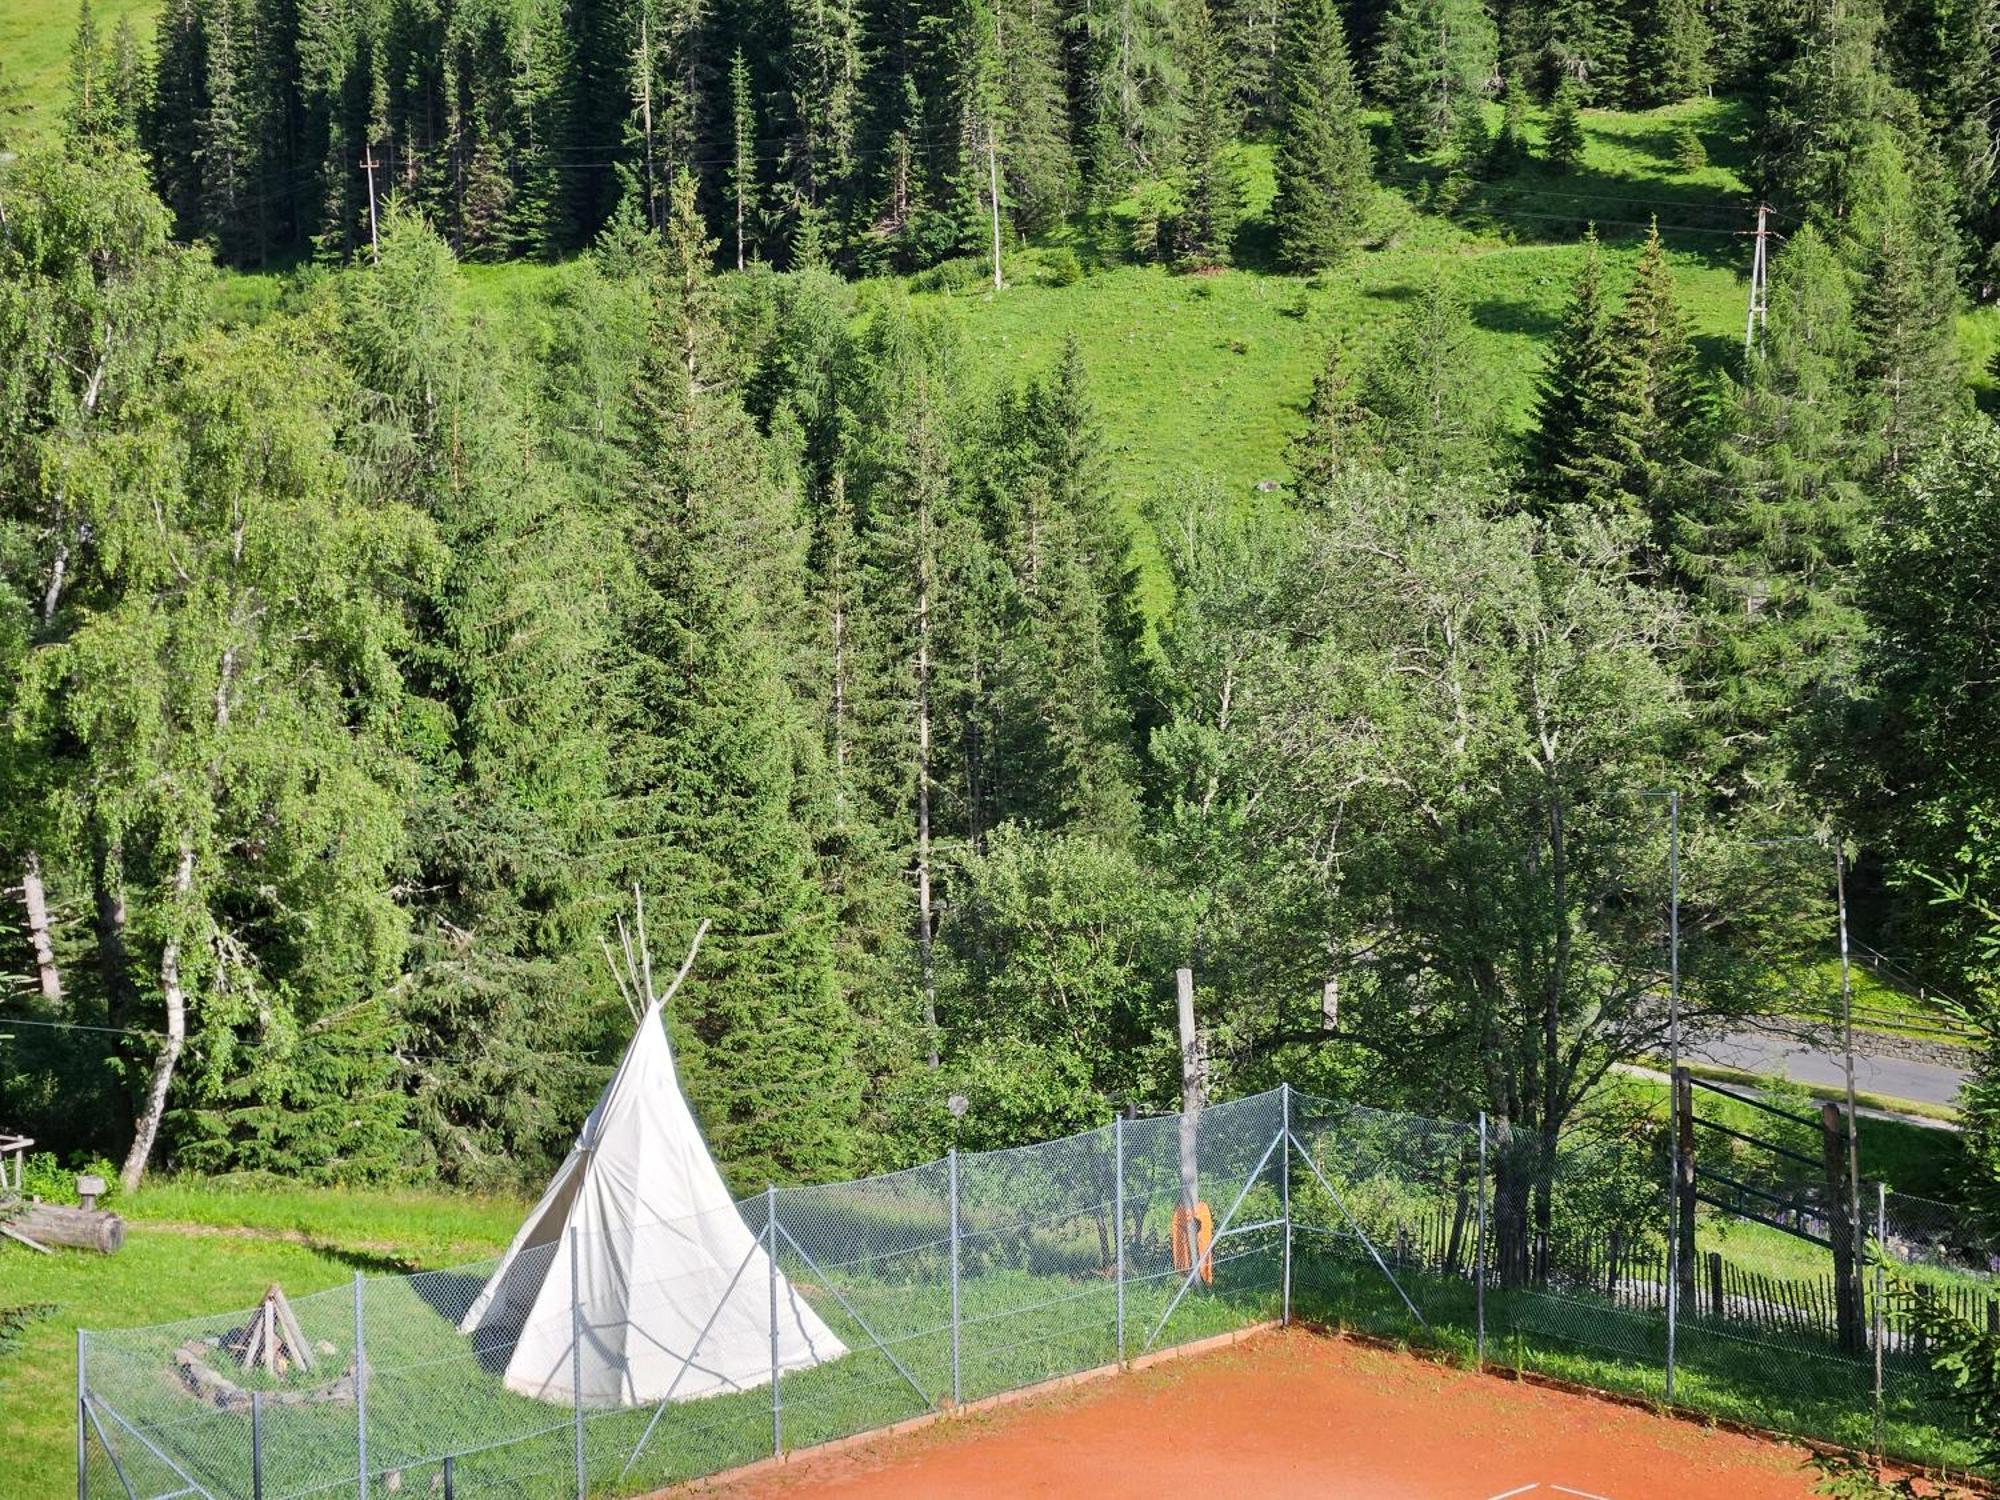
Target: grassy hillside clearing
(34, 59)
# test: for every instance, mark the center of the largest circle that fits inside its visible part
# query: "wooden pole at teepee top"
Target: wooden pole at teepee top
(645, 952)
(624, 992)
(631, 962)
(688, 962)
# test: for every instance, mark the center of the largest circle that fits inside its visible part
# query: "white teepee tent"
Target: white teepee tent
(674, 1289)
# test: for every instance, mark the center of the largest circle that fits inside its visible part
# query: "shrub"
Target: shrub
(1061, 267)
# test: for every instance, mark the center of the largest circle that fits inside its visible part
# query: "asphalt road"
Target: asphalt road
(1807, 1062)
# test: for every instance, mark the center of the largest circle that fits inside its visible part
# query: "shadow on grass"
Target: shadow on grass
(1515, 315)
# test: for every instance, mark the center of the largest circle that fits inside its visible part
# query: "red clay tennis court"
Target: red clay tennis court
(1290, 1413)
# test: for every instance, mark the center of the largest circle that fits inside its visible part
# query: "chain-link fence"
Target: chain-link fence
(983, 1273)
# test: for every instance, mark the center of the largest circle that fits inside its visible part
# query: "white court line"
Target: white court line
(1510, 1494)
(1560, 1489)
(1563, 1489)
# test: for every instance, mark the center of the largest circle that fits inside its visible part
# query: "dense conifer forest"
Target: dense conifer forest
(362, 651)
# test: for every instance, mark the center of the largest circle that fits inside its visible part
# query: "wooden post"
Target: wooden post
(1715, 1302)
(1839, 1223)
(1191, 1092)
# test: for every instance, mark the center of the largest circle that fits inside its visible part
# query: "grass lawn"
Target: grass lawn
(1885, 999)
(190, 1250)
(1910, 1158)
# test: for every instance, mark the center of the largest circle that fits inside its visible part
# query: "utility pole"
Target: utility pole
(1760, 278)
(374, 234)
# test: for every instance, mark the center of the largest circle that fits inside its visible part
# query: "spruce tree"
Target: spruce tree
(1210, 194)
(709, 767)
(923, 601)
(821, 73)
(1510, 141)
(90, 116)
(1322, 160)
(1659, 395)
(1910, 382)
(1770, 548)
(1433, 54)
(1971, 132)
(544, 216)
(1066, 755)
(126, 82)
(1572, 453)
(1589, 44)
(225, 132)
(1823, 111)
(1335, 432)
(1424, 413)
(1564, 139)
(510, 722)
(1471, 141)
(1671, 54)
(1131, 79)
(180, 99)
(1039, 166)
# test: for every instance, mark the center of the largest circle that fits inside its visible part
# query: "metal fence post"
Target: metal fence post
(1479, 1256)
(1881, 1320)
(1118, 1219)
(957, 1395)
(576, 1361)
(1285, 1195)
(82, 1419)
(771, 1255)
(450, 1478)
(360, 1388)
(1673, 1261)
(256, 1445)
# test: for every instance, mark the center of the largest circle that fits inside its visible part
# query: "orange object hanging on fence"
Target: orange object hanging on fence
(1187, 1249)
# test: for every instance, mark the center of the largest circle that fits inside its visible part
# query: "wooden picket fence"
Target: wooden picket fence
(1635, 1278)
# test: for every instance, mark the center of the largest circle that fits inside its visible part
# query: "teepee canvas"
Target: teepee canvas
(674, 1289)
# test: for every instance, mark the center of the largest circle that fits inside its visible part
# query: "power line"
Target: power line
(390, 1053)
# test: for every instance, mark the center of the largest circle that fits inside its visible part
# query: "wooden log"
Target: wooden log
(77, 1228)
